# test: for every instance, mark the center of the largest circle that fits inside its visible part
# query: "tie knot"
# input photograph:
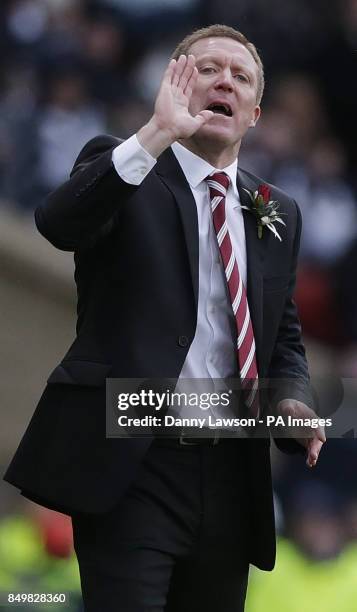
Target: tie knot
(219, 181)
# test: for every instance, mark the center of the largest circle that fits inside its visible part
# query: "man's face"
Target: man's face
(227, 84)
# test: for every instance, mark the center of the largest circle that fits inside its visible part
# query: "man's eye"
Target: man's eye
(242, 77)
(207, 69)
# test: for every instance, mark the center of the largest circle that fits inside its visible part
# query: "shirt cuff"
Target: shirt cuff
(131, 161)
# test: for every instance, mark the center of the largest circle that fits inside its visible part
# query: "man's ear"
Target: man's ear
(256, 114)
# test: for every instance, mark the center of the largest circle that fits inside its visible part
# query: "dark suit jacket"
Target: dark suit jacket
(136, 256)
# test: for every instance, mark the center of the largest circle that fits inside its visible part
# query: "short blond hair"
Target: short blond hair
(223, 31)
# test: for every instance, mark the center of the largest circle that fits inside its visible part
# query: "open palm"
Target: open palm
(172, 102)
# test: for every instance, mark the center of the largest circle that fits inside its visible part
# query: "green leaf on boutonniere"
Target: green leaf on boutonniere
(264, 209)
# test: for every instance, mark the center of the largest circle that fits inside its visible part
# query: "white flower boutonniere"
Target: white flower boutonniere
(265, 210)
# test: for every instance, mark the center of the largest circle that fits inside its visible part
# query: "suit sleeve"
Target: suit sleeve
(88, 203)
(288, 371)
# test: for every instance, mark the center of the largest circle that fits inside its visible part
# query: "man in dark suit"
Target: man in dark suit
(171, 524)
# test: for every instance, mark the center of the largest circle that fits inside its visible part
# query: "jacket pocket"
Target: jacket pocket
(80, 372)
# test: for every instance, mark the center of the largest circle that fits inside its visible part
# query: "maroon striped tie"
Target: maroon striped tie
(218, 184)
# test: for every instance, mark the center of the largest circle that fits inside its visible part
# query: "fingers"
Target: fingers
(178, 69)
(189, 74)
(320, 434)
(184, 73)
(312, 458)
(169, 71)
(313, 445)
(312, 434)
(313, 451)
(311, 438)
(191, 83)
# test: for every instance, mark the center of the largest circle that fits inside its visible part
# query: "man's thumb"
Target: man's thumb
(205, 116)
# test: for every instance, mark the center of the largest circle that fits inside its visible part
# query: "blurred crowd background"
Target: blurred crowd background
(71, 69)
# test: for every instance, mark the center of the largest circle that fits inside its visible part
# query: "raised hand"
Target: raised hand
(172, 119)
(172, 102)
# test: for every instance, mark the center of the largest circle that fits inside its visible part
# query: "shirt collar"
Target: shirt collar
(197, 169)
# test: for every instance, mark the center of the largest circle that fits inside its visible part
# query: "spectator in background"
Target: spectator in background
(55, 129)
(296, 149)
(335, 65)
(102, 49)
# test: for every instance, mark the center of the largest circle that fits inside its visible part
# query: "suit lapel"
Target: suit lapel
(172, 175)
(255, 254)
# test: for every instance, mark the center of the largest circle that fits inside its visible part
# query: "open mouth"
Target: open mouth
(221, 109)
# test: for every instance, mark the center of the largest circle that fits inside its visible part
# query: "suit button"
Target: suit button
(183, 341)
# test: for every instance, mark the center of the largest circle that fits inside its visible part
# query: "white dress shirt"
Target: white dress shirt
(212, 354)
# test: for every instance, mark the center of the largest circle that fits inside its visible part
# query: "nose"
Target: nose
(224, 81)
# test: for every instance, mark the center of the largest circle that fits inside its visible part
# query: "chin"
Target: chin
(222, 134)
